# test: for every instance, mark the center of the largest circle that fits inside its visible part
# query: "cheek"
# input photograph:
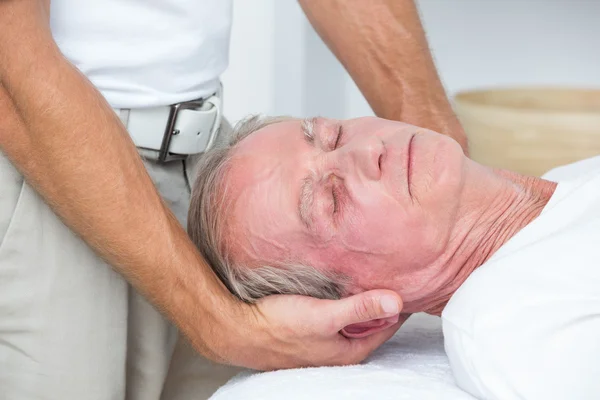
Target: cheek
(361, 267)
(395, 235)
(425, 243)
(374, 225)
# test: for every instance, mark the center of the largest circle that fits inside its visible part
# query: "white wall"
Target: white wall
(280, 66)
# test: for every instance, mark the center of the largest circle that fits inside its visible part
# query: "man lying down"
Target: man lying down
(330, 208)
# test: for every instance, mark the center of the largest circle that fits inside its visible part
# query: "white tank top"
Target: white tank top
(144, 53)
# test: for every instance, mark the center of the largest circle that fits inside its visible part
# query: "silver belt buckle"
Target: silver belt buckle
(163, 154)
(170, 131)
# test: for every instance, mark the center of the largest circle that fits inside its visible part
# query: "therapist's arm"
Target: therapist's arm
(382, 45)
(60, 133)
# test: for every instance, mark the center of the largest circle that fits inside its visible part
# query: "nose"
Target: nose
(362, 156)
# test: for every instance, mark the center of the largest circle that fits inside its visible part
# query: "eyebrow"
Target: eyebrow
(308, 128)
(306, 200)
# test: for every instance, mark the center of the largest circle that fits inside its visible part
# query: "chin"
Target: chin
(439, 167)
(448, 159)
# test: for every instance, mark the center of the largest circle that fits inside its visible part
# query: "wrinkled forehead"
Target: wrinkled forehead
(255, 157)
(263, 139)
(261, 195)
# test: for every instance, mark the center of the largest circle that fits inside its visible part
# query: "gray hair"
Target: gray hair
(208, 210)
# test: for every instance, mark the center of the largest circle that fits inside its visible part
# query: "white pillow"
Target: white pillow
(411, 365)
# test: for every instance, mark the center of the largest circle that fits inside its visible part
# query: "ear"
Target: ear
(367, 328)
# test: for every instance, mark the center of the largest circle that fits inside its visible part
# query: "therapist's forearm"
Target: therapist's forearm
(382, 45)
(71, 147)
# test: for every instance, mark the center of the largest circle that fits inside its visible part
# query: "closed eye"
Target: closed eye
(335, 200)
(338, 139)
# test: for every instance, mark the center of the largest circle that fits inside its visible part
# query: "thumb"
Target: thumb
(364, 307)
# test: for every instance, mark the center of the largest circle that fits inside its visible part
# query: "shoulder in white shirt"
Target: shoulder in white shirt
(526, 324)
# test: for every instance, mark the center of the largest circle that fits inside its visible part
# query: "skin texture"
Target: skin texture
(62, 135)
(394, 206)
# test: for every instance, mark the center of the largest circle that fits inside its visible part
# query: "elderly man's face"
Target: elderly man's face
(370, 198)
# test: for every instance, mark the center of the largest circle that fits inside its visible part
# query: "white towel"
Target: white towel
(411, 365)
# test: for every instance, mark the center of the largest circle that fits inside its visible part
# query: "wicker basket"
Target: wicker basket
(530, 130)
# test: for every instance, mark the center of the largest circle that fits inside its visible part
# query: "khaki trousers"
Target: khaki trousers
(71, 327)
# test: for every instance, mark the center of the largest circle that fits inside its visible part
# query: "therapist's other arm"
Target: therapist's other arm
(70, 146)
(382, 45)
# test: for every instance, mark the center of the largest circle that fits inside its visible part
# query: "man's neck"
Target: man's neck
(512, 203)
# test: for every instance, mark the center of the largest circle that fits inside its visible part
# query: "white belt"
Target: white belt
(175, 131)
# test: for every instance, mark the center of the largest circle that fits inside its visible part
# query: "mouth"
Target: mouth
(408, 163)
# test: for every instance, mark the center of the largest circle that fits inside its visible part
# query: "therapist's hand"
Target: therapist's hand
(382, 45)
(297, 331)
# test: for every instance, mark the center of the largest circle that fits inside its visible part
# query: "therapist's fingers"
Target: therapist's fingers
(298, 331)
(363, 347)
(363, 307)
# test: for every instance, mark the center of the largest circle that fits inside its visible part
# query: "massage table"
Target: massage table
(411, 365)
